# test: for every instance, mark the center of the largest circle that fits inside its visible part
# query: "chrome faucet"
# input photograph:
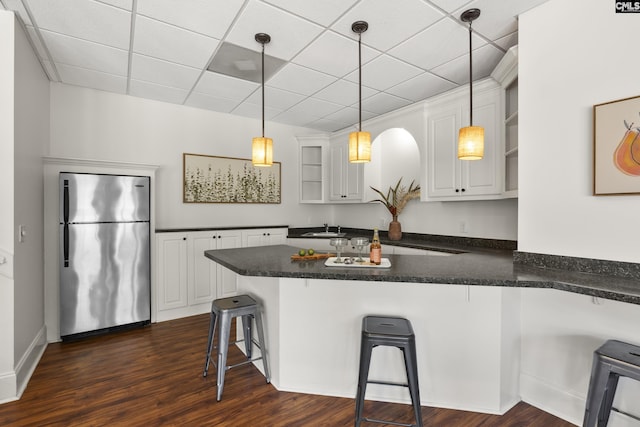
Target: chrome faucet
(326, 227)
(338, 229)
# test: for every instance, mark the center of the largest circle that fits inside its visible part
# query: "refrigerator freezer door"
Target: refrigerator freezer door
(103, 198)
(107, 282)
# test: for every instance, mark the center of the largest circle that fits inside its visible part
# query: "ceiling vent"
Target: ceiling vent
(243, 63)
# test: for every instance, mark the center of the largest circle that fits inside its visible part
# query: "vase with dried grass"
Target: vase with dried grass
(395, 200)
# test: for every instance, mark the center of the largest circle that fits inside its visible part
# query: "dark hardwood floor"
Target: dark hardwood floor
(153, 376)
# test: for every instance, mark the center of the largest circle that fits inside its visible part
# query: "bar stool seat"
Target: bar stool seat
(223, 310)
(611, 361)
(395, 332)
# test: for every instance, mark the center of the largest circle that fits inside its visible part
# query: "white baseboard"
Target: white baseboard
(29, 360)
(552, 399)
(8, 387)
(13, 383)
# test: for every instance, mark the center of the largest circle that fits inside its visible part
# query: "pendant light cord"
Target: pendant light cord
(470, 80)
(263, 90)
(360, 82)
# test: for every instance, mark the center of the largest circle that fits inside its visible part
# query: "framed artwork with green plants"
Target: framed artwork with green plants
(214, 179)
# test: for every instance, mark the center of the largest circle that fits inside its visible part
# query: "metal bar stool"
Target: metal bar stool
(226, 309)
(395, 332)
(611, 361)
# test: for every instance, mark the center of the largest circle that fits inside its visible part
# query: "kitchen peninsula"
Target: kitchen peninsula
(464, 308)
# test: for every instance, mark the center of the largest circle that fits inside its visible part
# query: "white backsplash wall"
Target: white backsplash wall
(91, 124)
(492, 219)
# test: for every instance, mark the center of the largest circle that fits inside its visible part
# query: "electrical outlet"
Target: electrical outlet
(463, 227)
(383, 223)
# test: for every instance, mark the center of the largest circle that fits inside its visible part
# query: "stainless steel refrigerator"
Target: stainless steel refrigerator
(104, 253)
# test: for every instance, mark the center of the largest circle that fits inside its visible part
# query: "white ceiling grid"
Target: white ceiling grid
(160, 49)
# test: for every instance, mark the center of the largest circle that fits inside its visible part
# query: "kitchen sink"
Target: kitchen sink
(324, 234)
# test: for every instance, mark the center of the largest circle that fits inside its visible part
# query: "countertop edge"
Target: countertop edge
(521, 276)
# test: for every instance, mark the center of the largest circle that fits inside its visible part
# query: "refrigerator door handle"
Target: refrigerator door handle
(65, 202)
(65, 244)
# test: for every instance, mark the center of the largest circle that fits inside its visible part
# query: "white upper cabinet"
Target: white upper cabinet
(312, 169)
(447, 177)
(346, 179)
(506, 73)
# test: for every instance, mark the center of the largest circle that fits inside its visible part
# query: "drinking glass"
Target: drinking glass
(360, 243)
(339, 244)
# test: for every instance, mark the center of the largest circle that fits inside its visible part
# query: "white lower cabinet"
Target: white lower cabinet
(171, 250)
(264, 237)
(187, 281)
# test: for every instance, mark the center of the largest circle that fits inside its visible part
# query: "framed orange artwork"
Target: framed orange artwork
(616, 147)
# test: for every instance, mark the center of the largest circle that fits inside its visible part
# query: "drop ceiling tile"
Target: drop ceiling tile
(383, 103)
(326, 125)
(87, 20)
(297, 115)
(349, 116)
(157, 92)
(388, 23)
(276, 99)
(295, 78)
(485, 60)
(319, 107)
(334, 54)
(219, 85)
(92, 79)
(322, 12)
(421, 87)
(163, 73)
(206, 102)
(211, 18)
(122, 4)
(498, 19)
(18, 8)
(384, 72)
(86, 54)
(451, 5)
(248, 109)
(289, 34)
(344, 92)
(164, 41)
(440, 43)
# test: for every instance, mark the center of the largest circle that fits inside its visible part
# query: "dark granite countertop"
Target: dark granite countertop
(209, 228)
(474, 266)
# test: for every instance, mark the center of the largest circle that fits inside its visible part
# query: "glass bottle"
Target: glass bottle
(375, 251)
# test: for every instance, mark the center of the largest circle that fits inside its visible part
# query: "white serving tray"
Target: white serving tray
(331, 262)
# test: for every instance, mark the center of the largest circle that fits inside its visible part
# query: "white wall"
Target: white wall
(572, 55)
(91, 124)
(24, 130)
(31, 139)
(7, 36)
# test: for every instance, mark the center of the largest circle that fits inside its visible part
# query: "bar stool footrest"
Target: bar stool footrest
(246, 362)
(388, 383)
(373, 420)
